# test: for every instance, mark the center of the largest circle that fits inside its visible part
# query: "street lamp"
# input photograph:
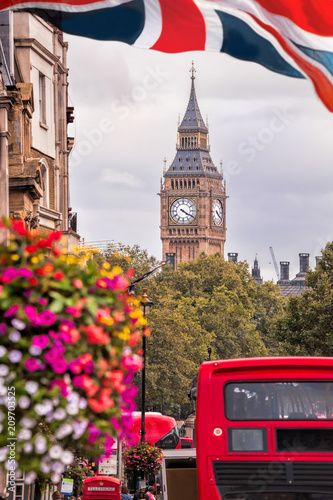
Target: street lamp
(145, 306)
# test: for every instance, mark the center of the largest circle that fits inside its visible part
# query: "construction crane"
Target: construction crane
(274, 262)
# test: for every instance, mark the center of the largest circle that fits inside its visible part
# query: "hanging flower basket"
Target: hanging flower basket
(68, 336)
(143, 458)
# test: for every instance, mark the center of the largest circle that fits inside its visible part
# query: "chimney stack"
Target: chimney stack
(232, 257)
(303, 262)
(284, 271)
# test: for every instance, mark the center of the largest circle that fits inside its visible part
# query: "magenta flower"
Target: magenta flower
(46, 318)
(32, 364)
(60, 366)
(31, 313)
(60, 383)
(75, 366)
(25, 273)
(42, 301)
(3, 329)
(78, 381)
(40, 341)
(88, 368)
(93, 433)
(11, 311)
(9, 274)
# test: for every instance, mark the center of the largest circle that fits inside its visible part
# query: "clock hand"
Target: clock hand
(189, 215)
(217, 213)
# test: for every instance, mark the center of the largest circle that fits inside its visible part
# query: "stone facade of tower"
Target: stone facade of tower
(193, 194)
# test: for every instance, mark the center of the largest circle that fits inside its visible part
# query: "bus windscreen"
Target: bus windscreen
(279, 400)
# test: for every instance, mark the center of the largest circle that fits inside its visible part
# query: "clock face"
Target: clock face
(183, 211)
(217, 212)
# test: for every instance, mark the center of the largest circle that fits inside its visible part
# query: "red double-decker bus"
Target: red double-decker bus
(264, 429)
(161, 430)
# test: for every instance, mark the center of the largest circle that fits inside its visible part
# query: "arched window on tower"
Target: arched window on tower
(172, 185)
(44, 171)
(193, 183)
(192, 142)
(176, 184)
(182, 142)
(198, 182)
(195, 142)
(185, 142)
(181, 184)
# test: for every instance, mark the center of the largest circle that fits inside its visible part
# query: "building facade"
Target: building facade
(33, 124)
(193, 193)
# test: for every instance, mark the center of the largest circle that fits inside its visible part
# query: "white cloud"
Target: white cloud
(123, 178)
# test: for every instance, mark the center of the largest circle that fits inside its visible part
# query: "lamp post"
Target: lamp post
(145, 306)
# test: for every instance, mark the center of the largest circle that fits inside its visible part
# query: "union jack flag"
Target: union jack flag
(291, 37)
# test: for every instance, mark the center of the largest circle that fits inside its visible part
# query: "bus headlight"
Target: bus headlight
(241, 439)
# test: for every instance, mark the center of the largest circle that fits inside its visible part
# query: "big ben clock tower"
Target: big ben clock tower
(193, 196)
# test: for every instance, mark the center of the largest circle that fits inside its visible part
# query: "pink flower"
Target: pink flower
(3, 329)
(119, 283)
(42, 301)
(11, 311)
(32, 364)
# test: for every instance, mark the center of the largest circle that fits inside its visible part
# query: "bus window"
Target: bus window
(279, 400)
(170, 440)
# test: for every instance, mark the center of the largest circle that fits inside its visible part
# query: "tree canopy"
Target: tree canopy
(207, 303)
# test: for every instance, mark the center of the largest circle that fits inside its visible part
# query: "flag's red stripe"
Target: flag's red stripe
(314, 16)
(321, 83)
(183, 27)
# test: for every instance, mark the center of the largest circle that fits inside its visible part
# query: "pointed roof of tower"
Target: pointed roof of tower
(192, 118)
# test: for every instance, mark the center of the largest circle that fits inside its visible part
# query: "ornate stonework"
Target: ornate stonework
(193, 194)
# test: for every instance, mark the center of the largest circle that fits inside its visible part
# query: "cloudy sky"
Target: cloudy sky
(273, 135)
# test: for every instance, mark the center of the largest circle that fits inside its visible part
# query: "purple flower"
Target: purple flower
(11, 311)
(3, 329)
(15, 356)
(14, 336)
(27, 293)
(18, 324)
(88, 368)
(46, 318)
(32, 364)
(42, 301)
(40, 341)
(25, 273)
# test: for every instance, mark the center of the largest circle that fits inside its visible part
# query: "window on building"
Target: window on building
(172, 185)
(44, 171)
(42, 99)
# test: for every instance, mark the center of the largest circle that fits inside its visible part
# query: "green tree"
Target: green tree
(306, 327)
(205, 303)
